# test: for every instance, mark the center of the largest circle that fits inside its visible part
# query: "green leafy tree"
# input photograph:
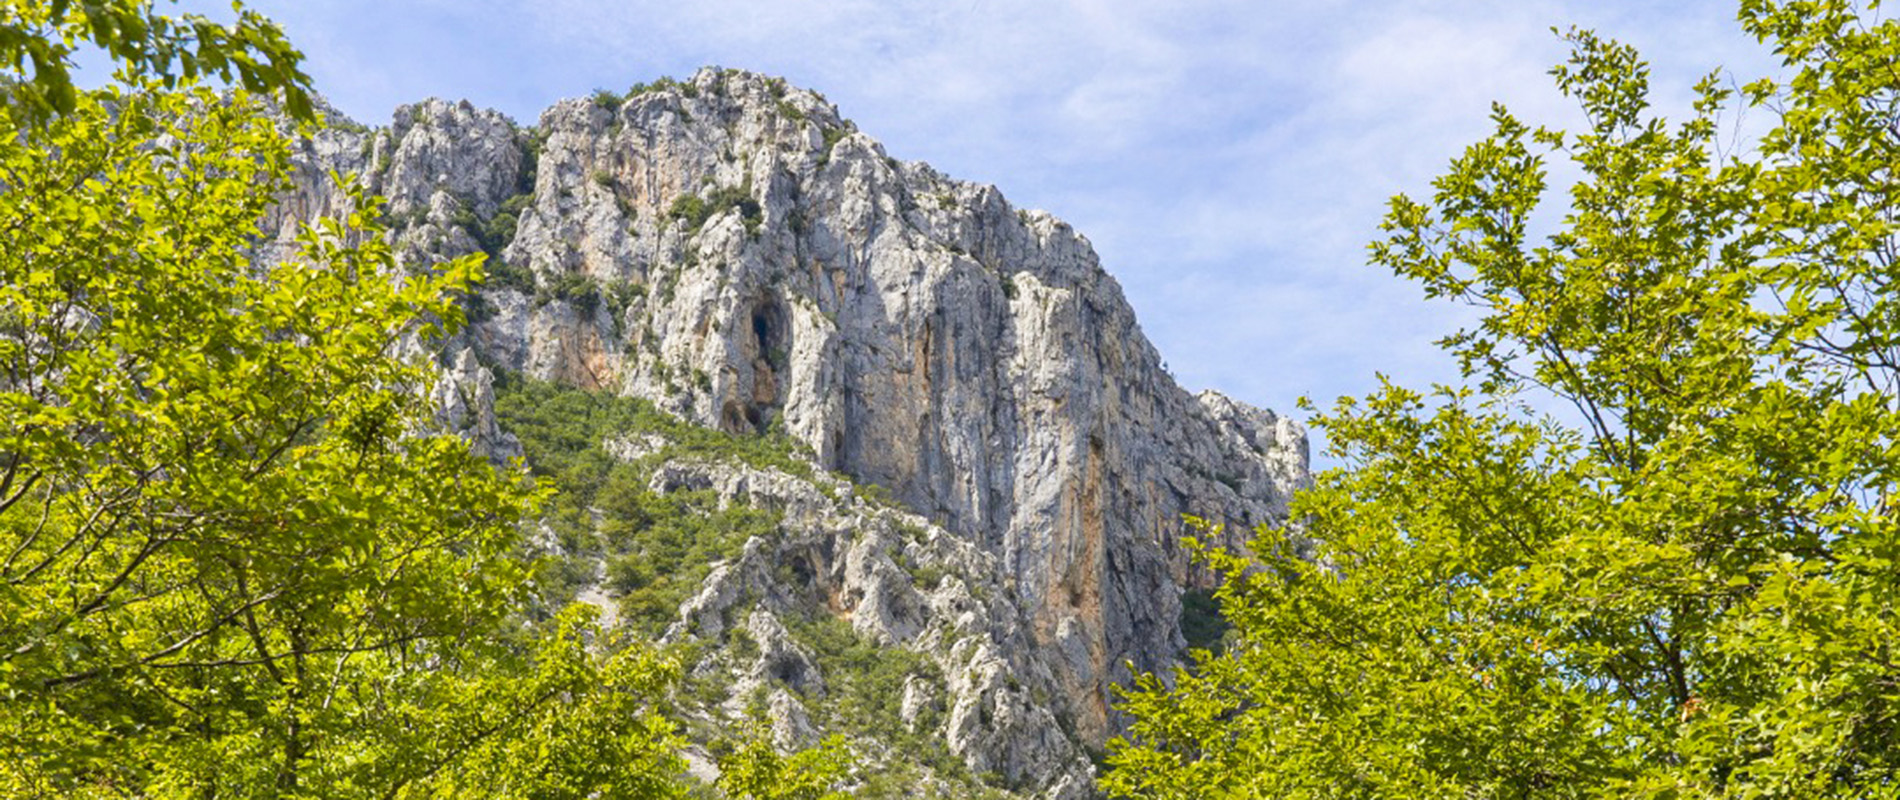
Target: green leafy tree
(573, 725)
(234, 559)
(753, 769)
(39, 37)
(1684, 586)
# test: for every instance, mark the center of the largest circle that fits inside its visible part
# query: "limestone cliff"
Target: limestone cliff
(735, 251)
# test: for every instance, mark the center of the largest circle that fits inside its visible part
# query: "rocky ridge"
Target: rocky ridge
(734, 251)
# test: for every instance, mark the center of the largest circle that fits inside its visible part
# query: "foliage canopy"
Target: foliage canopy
(39, 37)
(234, 559)
(1685, 585)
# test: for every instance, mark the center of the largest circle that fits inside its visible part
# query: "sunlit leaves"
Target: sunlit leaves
(237, 559)
(753, 769)
(1682, 584)
(39, 37)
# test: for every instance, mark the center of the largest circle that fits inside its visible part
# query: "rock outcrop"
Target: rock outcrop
(735, 251)
(979, 684)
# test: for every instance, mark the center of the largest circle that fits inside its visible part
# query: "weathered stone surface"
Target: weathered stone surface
(466, 398)
(991, 695)
(735, 251)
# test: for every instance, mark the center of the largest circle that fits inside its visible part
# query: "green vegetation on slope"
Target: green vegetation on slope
(864, 692)
(865, 682)
(657, 547)
(562, 428)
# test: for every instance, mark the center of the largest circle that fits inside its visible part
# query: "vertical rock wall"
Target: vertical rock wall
(734, 250)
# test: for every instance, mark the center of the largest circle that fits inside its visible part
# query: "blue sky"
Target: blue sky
(1230, 159)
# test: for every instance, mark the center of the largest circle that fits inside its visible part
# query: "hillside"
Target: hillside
(887, 455)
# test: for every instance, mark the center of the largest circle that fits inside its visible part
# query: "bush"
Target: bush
(499, 231)
(606, 99)
(663, 84)
(875, 494)
(531, 144)
(503, 275)
(580, 291)
(865, 681)
(832, 137)
(691, 208)
(696, 211)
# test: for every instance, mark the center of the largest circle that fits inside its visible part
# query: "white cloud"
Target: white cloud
(1230, 158)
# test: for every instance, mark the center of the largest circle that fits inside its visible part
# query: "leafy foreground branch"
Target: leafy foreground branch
(1682, 586)
(231, 562)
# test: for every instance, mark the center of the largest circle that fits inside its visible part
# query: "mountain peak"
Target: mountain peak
(735, 252)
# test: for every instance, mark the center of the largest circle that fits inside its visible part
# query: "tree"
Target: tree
(1685, 584)
(236, 559)
(42, 35)
(752, 768)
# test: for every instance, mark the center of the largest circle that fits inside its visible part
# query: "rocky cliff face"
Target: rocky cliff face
(733, 250)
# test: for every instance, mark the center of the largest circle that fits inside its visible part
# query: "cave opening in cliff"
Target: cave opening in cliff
(788, 671)
(769, 332)
(771, 347)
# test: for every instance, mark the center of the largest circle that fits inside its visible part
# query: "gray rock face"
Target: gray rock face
(989, 694)
(466, 398)
(735, 251)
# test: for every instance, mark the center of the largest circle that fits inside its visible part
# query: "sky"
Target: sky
(1229, 159)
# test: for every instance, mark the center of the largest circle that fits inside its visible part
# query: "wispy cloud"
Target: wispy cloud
(1229, 158)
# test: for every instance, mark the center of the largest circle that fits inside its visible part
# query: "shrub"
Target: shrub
(695, 211)
(499, 231)
(691, 208)
(573, 288)
(865, 681)
(604, 98)
(503, 275)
